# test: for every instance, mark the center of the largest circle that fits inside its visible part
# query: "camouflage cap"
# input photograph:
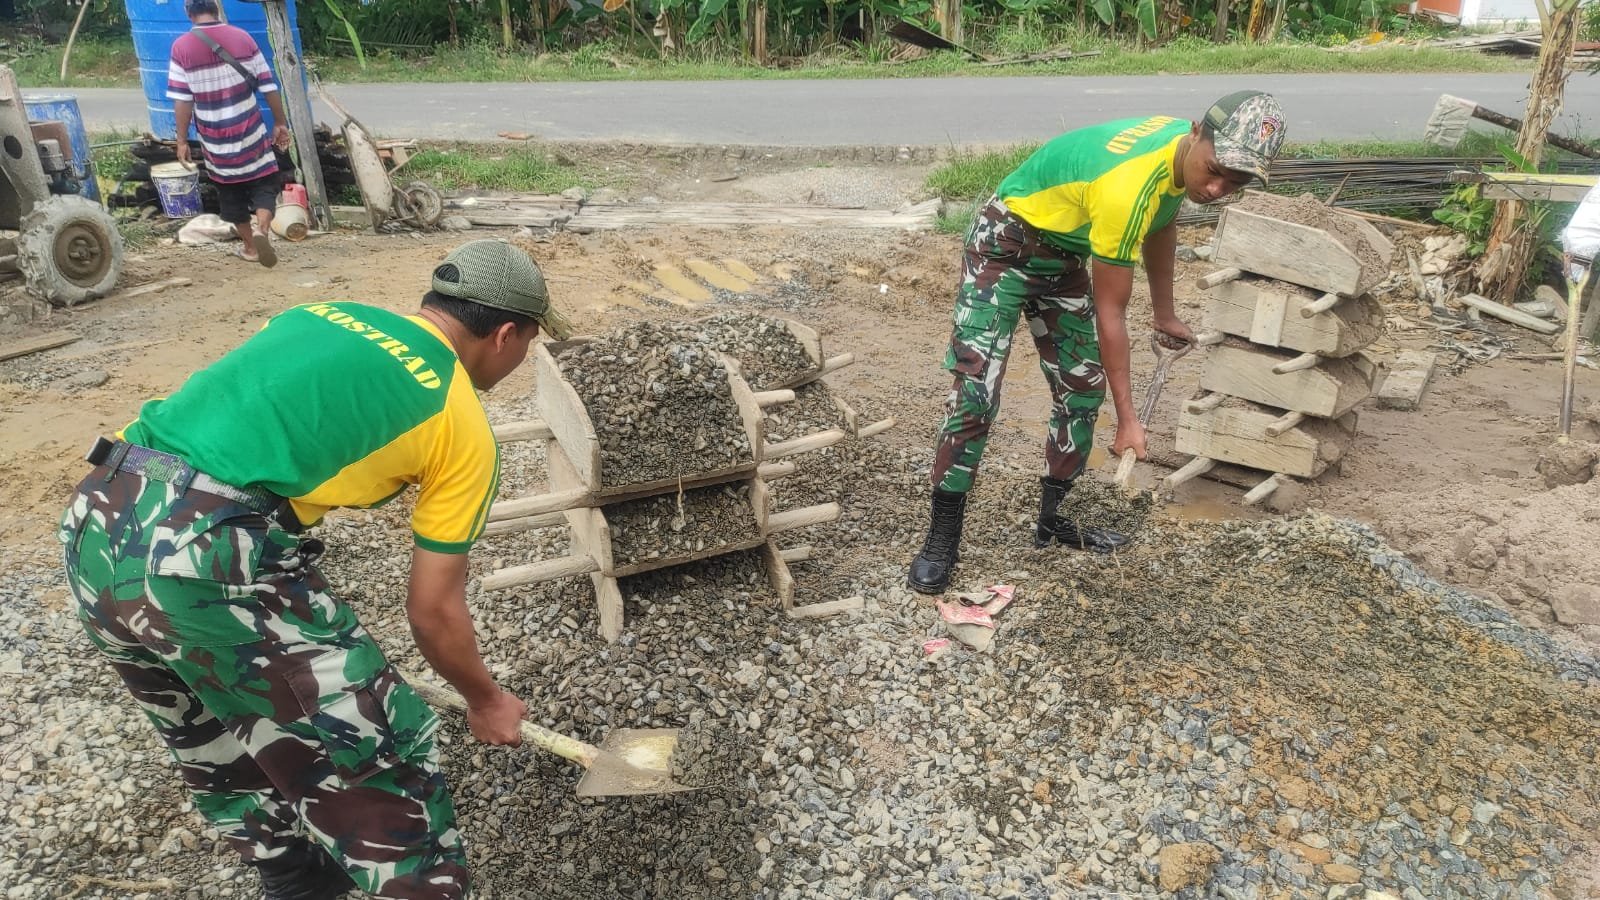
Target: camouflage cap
(1248, 131)
(496, 274)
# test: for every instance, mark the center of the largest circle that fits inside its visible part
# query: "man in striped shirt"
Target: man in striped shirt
(220, 98)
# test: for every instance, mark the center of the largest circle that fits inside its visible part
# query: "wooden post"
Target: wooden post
(291, 77)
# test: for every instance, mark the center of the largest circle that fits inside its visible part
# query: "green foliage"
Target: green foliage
(355, 39)
(493, 168)
(1467, 211)
(974, 176)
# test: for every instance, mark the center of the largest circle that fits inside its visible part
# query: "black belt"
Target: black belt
(121, 456)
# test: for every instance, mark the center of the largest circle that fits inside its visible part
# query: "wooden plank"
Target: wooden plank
(563, 411)
(805, 444)
(608, 597)
(1238, 434)
(591, 535)
(537, 503)
(37, 344)
(1553, 193)
(153, 287)
(525, 523)
(829, 608)
(1505, 313)
(1288, 251)
(1407, 380)
(1329, 389)
(755, 424)
(1351, 324)
(797, 554)
(1266, 326)
(778, 575)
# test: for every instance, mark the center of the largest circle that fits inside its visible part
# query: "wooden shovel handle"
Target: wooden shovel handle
(537, 735)
(1124, 476)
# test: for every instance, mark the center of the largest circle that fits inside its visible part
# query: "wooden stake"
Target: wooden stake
(765, 399)
(1208, 338)
(1194, 468)
(525, 523)
(774, 470)
(1286, 422)
(541, 503)
(796, 554)
(548, 570)
(1124, 476)
(1264, 490)
(876, 428)
(1299, 363)
(789, 520)
(1506, 313)
(804, 444)
(1221, 276)
(1320, 305)
(290, 73)
(835, 363)
(1205, 404)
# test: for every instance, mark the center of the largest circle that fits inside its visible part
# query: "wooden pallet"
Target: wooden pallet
(1298, 254)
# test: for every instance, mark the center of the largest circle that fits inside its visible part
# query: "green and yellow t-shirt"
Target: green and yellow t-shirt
(1099, 191)
(339, 404)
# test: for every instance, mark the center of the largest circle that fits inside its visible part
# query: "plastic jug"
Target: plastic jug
(295, 194)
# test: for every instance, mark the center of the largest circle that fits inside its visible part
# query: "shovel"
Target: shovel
(1577, 277)
(1166, 355)
(631, 761)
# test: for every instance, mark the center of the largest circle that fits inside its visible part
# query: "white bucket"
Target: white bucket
(178, 186)
(291, 222)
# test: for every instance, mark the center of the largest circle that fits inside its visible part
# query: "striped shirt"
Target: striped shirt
(1101, 190)
(232, 132)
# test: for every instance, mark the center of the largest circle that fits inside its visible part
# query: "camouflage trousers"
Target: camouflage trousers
(285, 719)
(1009, 271)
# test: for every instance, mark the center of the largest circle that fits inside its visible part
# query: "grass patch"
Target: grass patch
(973, 176)
(95, 63)
(112, 63)
(494, 168)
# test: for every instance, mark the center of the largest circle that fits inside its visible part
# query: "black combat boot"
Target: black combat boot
(930, 570)
(305, 872)
(1052, 527)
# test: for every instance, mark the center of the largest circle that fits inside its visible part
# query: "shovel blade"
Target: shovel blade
(633, 761)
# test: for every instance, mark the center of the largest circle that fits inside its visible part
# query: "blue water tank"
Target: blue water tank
(157, 23)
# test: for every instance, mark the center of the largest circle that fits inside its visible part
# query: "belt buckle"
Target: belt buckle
(99, 451)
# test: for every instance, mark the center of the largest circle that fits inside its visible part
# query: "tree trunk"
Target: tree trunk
(455, 32)
(505, 24)
(948, 14)
(1220, 33)
(1513, 239)
(1256, 29)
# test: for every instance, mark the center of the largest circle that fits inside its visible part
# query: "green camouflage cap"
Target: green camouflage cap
(1249, 131)
(496, 274)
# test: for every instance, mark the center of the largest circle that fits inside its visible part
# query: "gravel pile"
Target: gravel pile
(1307, 210)
(701, 520)
(1280, 708)
(768, 354)
(661, 406)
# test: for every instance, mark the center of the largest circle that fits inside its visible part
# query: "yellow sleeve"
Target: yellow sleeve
(461, 477)
(1122, 204)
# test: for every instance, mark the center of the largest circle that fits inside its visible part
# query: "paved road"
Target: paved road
(920, 111)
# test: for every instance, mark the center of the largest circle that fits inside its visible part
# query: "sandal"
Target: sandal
(239, 251)
(264, 250)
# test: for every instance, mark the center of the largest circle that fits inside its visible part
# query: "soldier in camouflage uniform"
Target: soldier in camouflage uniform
(1057, 245)
(186, 554)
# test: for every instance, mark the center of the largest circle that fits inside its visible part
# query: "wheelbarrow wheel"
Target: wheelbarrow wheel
(420, 204)
(69, 251)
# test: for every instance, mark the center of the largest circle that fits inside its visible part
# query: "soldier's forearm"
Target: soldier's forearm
(442, 626)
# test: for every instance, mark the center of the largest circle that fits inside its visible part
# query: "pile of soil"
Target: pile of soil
(661, 406)
(1307, 210)
(670, 525)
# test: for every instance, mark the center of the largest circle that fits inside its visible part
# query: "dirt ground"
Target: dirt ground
(1471, 448)
(1452, 484)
